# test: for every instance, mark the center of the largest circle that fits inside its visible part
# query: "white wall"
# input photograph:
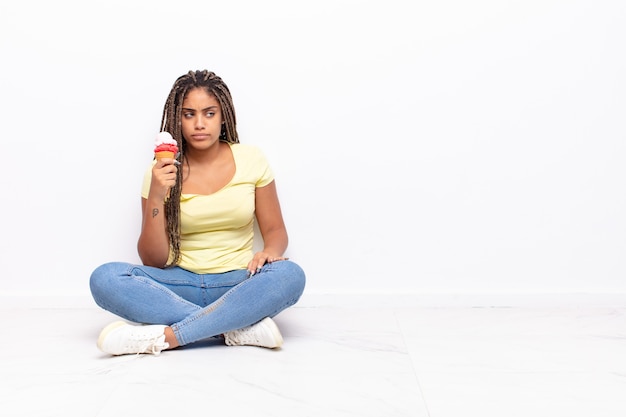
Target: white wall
(419, 146)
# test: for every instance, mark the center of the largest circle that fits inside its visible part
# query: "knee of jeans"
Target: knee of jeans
(101, 277)
(294, 278)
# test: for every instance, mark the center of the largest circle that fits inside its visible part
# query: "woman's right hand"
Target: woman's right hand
(163, 178)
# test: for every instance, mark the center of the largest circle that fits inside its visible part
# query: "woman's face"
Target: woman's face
(201, 119)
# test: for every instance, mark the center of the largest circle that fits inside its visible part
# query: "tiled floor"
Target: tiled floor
(354, 360)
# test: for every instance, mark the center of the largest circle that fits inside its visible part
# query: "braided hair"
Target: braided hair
(171, 122)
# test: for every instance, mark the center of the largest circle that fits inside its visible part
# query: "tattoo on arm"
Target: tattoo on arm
(155, 211)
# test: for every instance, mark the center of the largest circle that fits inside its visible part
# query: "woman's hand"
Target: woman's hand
(163, 178)
(260, 259)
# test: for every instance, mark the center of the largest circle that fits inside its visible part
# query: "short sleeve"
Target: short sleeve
(261, 164)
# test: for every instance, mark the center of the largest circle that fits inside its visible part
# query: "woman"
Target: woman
(200, 277)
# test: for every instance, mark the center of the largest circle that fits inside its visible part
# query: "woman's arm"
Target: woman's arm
(153, 245)
(272, 226)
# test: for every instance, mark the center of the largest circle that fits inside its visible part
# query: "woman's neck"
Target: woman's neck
(206, 156)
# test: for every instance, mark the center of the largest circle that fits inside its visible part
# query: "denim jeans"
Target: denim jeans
(196, 306)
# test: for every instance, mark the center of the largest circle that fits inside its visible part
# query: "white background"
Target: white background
(420, 146)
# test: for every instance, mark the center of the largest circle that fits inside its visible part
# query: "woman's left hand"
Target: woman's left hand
(260, 259)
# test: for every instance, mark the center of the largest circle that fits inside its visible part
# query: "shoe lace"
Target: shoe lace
(245, 335)
(154, 345)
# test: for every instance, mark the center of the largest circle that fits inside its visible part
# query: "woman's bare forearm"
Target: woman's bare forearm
(153, 244)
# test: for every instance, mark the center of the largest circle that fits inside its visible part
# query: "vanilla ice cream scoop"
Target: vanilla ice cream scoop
(164, 138)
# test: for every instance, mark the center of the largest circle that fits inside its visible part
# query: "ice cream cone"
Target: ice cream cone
(164, 154)
(166, 147)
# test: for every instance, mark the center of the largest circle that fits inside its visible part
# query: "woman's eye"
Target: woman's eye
(187, 115)
(210, 114)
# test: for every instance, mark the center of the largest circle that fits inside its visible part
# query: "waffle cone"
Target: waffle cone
(164, 154)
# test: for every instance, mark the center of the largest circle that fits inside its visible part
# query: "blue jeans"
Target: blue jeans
(196, 306)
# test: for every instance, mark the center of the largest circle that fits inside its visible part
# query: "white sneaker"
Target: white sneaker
(121, 338)
(264, 334)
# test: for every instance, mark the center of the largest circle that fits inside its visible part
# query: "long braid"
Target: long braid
(171, 122)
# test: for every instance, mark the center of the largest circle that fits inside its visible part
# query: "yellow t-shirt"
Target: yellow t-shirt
(217, 230)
